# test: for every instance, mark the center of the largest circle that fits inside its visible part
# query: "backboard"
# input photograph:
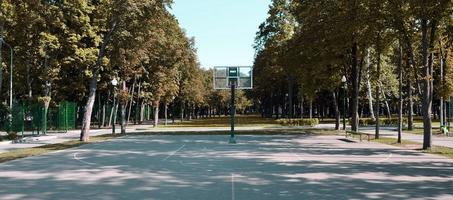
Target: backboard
(241, 76)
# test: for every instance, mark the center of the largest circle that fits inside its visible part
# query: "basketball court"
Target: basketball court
(208, 167)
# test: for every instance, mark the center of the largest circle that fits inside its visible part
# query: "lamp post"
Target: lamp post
(343, 80)
(173, 109)
(10, 80)
(114, 83)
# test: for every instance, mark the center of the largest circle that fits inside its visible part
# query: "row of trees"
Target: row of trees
(72, 50)
(394, 54)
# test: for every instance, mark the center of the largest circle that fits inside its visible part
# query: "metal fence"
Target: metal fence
(34, 118)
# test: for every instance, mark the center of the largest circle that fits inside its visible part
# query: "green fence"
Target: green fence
(67, 116)
(32, 117)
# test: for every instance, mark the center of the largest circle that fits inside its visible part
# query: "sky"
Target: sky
(224, 30)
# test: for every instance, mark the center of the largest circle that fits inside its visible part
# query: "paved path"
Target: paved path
(203, 167)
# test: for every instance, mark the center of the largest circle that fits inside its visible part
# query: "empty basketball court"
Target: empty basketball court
(207, 167)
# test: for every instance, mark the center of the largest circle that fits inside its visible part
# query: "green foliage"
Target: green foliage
(123, 96)
(382, 121)
(61, 45)
(298, 122)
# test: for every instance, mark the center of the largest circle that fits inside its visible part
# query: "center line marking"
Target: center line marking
(232, 186)
(385, 159)
(80, 160)
(174, 152)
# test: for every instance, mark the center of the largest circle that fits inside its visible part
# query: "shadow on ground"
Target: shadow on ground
(206, 167)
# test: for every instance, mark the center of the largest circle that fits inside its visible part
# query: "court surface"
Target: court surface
(207, 167)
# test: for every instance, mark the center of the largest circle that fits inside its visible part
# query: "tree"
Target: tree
(116, 17)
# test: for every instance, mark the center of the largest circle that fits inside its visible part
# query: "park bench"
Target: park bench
(360, 134)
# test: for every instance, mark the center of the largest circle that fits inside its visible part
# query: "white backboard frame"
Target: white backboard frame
(244, 77)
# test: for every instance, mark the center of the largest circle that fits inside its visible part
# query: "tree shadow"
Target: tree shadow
(207, 167)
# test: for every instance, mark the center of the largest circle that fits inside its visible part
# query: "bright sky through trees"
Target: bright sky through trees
(224, 30)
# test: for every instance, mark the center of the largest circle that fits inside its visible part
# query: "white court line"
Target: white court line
(174, 152)
(385, 159)
(82, 161)
(232, 186)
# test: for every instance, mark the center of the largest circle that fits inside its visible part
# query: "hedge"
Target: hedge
(298, 122)
(383, 121)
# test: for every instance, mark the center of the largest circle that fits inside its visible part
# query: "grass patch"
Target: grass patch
(240, 120)
(443, 151)
(419, 131)
(438, 150)
(269, 131)
(34, 151)
(394, 141)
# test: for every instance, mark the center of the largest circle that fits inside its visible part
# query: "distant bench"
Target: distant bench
(360, 134)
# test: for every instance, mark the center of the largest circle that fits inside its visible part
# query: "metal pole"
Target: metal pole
(232, 111)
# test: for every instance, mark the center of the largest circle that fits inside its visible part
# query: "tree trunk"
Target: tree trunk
(86, 123)
(123, 111)
(400, 105)
(387, 107)
(123, 118)
(156, 115)
(2, 23)
(410, 117)
(190, 113)
(84, 135)
(113, 109)
(103, 115)
(442, 118)
(137, 115)
(142, 112)
(311, 109)
(426, 96)
(368, 84)
(355, 89)
(337, 110)
(131, 101)
(290, 96)
(166, 112)
(99, 114)
(301, 107)
(378, 95)
(115, 113)
(30, 91)
(182, 112)
(173, 112)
